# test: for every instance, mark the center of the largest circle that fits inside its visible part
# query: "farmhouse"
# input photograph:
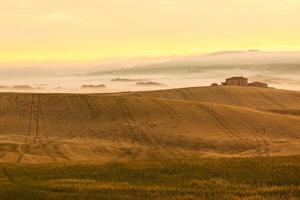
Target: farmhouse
(236, 81)
(241, 81)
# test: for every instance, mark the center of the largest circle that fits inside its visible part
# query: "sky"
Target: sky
(82, 30)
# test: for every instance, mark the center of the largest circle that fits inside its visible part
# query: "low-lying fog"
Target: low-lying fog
(279, 70)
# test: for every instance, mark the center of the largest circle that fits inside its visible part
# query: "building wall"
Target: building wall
(237, 82)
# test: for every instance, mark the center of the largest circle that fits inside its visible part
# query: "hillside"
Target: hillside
(179, 123)
(251, 97)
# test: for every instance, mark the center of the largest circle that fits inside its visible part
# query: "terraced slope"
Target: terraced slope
(182, 123)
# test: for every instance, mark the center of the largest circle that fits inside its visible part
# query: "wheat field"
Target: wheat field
(273, 178)
(188, 123)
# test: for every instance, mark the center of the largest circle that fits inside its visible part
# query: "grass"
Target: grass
(230, 178)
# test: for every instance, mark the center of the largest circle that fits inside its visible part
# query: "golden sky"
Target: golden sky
(47, 30)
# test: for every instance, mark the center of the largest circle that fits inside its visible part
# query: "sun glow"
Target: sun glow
(97, 29)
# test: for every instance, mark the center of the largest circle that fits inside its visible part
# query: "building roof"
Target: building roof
(237, 77)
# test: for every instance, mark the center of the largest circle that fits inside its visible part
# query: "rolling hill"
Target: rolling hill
(170, 124)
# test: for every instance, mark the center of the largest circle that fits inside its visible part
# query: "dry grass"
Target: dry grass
(171, 124)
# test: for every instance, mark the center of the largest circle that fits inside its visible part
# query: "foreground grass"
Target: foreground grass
(248, 178)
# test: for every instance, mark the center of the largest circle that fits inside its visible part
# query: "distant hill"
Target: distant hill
(179, 123)
(252, 60)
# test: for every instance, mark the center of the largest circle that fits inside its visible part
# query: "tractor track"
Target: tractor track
(36, 99)
(133, 136)
(29, 130)
(265, 142)
(262, 146)
(187, 95)
(41, 121)
(225, 126)
(27, 149)
(155, 139)
(19, 108)
(1, 107)
(37, 125)
(173, 116)
(8, 176)
(260, 136)
(229, 129)
(92, 111)
(258, 145)
(271, 100)
(91, 108)
(131, 120)
(30, 117)
(148, 140)
(69, 108)
(132, 126)
(1, 122)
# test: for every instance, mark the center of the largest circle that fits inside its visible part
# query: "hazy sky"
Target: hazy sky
(35, 30)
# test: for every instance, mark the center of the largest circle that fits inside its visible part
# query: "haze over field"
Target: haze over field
(278, 69)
